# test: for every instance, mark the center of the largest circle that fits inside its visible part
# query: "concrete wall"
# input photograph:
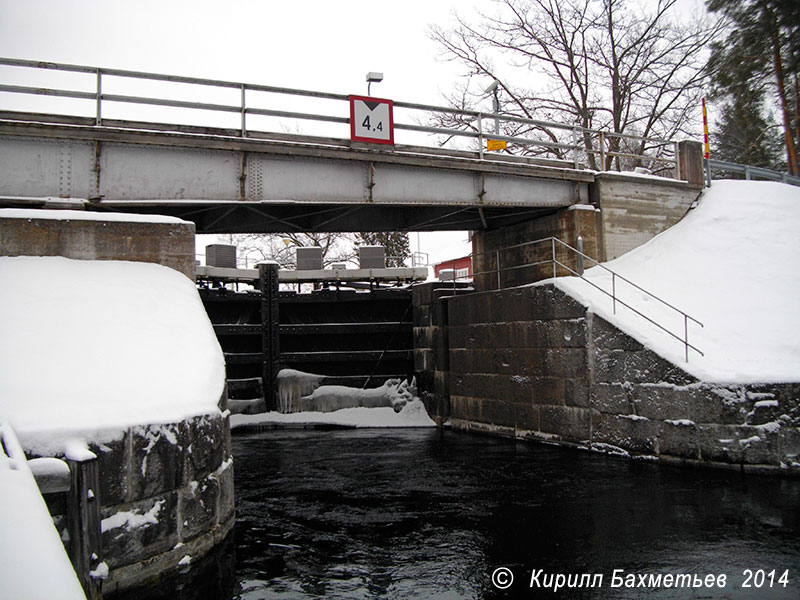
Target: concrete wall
(170, 244)
(636, 209)
(166, 491)
(533, 363)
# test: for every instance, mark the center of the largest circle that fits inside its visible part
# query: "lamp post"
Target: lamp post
(373, 77)
(492, 89)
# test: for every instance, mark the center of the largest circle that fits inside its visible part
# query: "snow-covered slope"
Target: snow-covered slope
(733, 263)
(89, 348)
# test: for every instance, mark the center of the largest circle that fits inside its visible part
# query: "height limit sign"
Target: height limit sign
(371, 120)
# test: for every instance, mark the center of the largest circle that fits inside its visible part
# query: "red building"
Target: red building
(462, 267)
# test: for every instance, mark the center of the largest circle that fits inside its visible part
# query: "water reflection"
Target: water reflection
(430, 514)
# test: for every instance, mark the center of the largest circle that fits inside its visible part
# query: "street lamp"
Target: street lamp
(492, 89)
(373, 77)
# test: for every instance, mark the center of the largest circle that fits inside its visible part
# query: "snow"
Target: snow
(33, 562)
(132, 519)
(731, 263)
(401, 406)
(91, 348)
(79, 215)
(412, 415)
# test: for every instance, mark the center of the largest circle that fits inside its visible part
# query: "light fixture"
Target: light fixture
(373, 77)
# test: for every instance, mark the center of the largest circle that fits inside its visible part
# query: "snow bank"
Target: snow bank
(731, 263)
(90, 348)
(33, 562)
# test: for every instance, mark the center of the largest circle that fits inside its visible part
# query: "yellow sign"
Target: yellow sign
(495, 145)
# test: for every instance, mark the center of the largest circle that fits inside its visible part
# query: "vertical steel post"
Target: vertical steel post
(677, 162)
(480, 134)
(553, 253)
(602, 151)
(98, 96)
(270, 324)
(575, 147)
(580, 256)
(244, 113)
(614, 291)
(686, 335)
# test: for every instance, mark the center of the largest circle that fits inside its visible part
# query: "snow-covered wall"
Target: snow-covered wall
(119, 359)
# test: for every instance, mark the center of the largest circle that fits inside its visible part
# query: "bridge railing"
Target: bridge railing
(130, 99)
(552, 257)
(749, 172)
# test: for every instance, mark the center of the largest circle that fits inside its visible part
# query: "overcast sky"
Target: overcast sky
(311, 44)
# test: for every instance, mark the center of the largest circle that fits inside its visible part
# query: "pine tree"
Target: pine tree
(762, 51)
(746, 136)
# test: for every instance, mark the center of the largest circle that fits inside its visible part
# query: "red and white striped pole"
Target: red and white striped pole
(705, 138)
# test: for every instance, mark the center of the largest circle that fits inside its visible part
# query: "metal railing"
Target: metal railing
(551, 245)
(569, 144)
(749, 172)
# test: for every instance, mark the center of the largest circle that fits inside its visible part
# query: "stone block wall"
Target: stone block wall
(166, 492)
(163, 242)
(533, 363)
(509, 246)
(519, 364)
(431, 358)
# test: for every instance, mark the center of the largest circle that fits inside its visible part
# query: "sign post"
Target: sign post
(371, 120)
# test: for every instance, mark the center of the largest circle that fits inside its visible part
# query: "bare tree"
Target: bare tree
(611, 65)
(281, 247)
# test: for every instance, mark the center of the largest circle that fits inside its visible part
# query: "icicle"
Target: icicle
(293, 385)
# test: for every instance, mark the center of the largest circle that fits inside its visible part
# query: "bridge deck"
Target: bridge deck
(275, 183)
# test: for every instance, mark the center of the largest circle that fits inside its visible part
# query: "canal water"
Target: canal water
(421, 513)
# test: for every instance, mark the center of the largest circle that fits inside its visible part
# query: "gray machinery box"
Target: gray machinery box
(372, 257)
(221, 255)
(309, 259)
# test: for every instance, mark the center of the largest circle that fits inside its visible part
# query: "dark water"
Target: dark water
(432, 514)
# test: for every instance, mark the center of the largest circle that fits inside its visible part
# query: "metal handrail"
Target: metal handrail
(577, 145)
(751, 172)
(555, 242)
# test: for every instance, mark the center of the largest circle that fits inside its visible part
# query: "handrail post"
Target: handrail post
(614, 291)
(602, 151)
(244, 112)
(580, 256)
(575, 147)
(98, 116)
(480, 135)
(677, 162)
(686, 334)
(553, 252)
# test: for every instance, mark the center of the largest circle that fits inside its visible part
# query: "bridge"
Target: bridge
(90, 146)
